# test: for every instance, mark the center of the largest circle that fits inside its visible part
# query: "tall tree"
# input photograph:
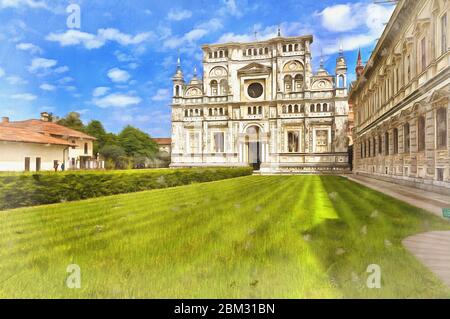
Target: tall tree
(95, 128)
(72, 120)
(137, 144)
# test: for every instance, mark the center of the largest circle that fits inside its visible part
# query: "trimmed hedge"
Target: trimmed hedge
(19, 190)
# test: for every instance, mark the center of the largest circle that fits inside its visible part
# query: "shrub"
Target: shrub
(18, 190)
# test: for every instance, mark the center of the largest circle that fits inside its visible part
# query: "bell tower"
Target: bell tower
(178, 81)
(341, 74)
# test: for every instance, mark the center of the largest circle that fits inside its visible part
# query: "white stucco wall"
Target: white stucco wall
(12, 155)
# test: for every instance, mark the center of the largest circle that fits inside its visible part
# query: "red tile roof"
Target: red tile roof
(163, 140)
(14, 134)
(48, 128)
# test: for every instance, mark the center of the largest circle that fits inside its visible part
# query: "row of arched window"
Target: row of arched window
(254, 110)
(293, 108)
(193, 112)
(217, 111)
(255, 51)
(291, 47)
(218, 54)
(319, 107)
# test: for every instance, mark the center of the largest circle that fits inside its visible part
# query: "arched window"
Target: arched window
(290, 48)
(386, 143)
(261, 51)
(215, 111)
(259, 109)
(395, 141)
(177, 90)
(318, 108)
(288, 84)
(255, 110)
(421, 133)
(298, 82)
(290, 109)
(266, 50)
(284, 108)
(325, 107)
(214, 88)
(380, 144)
(186, 113)
(224, 87)
(406, 138)
(311, 108)
(220, 54)
(284, 48)
(441, 127)
(221, 111)
(296, 47)
(85, 148)
(210, 112)
(295, 108)
(341, 81)
(249, 110)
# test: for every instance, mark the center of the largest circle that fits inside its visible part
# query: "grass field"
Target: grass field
(248, 237)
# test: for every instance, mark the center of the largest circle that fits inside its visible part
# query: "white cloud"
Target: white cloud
(179, 14)
(117, 100)
(15, 80)
(24, 97)
(47, 87)
(62, 69)
(369, 18)
(29, 47)
(287, 29)
(95, 41)
(35, 4)
(100, 91)
(38, 64)
(190, 38)
(2, 72)
(118, 75)
(161, 95)
(65, 80)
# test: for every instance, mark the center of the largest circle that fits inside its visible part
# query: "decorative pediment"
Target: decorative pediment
(322, 84)
(293, 66)
(193, 91)
(255, 68)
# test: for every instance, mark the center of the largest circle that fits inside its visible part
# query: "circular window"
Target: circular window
(255, 90)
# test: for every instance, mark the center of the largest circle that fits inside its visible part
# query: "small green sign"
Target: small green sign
(446, 212)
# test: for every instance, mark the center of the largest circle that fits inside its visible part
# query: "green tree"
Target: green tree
(72, 120)
(95, 128)
(137, 144)
(115, 156)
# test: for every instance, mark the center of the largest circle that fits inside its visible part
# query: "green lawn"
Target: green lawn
(248, 237)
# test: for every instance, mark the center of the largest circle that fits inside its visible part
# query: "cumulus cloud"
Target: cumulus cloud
(161, 95)
(47, 87)
(32, 48)
(367, 17)
(15, 80)
(95, 41)
(179, 14)
(100, 91)
(119, 76)
(191, 37)
(35, 4)
(24, 97)
(117, 100)
(38, 64)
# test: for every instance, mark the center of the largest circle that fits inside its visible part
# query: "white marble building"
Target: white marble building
(260, 104)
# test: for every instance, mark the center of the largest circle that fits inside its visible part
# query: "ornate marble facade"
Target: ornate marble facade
(260, 103)
(402, 100)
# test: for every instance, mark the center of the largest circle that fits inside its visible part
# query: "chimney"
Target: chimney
(45, 117)
(5, 119)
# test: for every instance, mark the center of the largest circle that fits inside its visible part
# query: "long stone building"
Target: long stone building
(260, 103)
(402, 99)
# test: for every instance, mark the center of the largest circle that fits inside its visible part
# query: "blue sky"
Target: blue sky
(117, 66)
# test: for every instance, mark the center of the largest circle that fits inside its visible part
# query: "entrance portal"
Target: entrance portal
(254, 146)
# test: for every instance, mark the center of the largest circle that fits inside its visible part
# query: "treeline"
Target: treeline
(131, 148)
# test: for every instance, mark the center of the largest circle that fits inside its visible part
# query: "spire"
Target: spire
(179, 73)
(279, 31)
(321, 59)
(359, 65)
(341, 49)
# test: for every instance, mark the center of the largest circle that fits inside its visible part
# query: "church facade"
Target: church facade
(261, 104)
